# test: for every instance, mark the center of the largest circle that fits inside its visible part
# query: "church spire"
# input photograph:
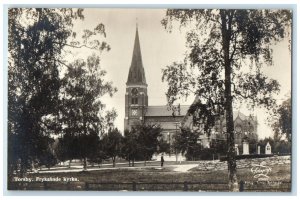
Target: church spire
(136, 72)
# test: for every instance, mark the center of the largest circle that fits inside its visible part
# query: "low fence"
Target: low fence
(154, 186)
(158, 186)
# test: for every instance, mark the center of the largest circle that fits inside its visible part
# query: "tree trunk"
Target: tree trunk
(114, 161)
(226, 33)
(23, 168)
(84, 164)
(70, 163)
(129, 157)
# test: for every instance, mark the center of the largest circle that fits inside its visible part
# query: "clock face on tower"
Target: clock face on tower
(134, 92)
(134, 112)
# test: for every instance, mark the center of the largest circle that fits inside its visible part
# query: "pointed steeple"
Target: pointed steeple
(136, 72)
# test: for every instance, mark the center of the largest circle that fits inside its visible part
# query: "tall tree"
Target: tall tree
(37, 42)
(226, 51)
(109, 119)
(147, 140)
(130, 147)
(187, 143)
(112, 144)
(82, 110)
(34, 47)
(282, 121)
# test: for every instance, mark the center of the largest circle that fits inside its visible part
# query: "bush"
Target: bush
(204, 154)
(48, 160)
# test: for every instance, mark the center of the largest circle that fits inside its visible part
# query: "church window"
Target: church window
(134, 94)
(134, 100)
(238, 129)
(251, 128)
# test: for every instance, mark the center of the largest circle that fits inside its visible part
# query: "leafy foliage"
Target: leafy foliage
(248, 33)
(130, 149)
(226, 50)
(39, 39)
(34, 47)
(163, 146)
(81, 109)
(142, 142)
(186, 141)
(148, 135)
(112, 144)
(220, 146)
(282, 122)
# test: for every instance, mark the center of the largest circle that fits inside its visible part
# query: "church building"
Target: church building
(138, 111)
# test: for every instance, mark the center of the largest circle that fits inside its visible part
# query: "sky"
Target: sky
(159, 49)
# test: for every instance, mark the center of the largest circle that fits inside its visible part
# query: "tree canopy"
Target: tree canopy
(226, 50)
(247, 36)
(148, 135)
(113, 142)
(282, 121)
(39, 40)
(82, 111)
(187, 142)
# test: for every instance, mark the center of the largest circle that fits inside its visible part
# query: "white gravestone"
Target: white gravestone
(268, 149)
(245, 148)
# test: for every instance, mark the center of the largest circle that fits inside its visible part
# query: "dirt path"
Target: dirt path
(176, 168)
(184, 168)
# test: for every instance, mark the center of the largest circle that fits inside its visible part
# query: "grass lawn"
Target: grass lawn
(127, 176)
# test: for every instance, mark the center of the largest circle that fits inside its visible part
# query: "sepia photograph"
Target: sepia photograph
(149, 100)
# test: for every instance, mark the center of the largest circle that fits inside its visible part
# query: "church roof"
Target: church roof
(237, 114)
(160, 111)
(136, 72)
(243, 117)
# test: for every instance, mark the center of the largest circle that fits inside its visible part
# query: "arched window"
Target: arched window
(238, 129)
(134, 100)
(134, 94)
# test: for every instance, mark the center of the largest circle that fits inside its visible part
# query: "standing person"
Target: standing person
(162, 160)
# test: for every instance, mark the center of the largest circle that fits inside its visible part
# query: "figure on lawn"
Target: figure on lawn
(162, 160)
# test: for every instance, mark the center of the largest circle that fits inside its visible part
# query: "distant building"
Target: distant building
(268, 149)
(137, 109)
(244, 127)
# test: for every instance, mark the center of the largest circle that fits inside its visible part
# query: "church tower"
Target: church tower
(136, 98)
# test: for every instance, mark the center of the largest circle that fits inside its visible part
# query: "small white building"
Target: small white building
(268, 149)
